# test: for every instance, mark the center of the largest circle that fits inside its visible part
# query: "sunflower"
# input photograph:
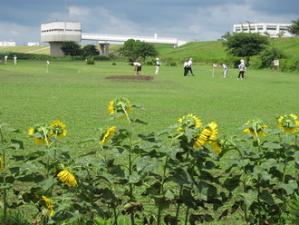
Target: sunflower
(68, 178)
(58, 128)
(119, 106)
(111, 108)
(208, 134)
(288, 123)
(49, 204)
(108, 135)
(216, 147)
(255, 128)
(189, 121)
(40, 134)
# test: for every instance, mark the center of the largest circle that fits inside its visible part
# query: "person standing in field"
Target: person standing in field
(137, 67)
(15, 60)
(186, 68)
(190, 66)
(242, 69)
(157, 64)
(5, 59)
(225, 70)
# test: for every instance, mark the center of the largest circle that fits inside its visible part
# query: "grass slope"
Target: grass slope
(27, 49)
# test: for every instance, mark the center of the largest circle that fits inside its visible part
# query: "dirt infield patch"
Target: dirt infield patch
(130, 78)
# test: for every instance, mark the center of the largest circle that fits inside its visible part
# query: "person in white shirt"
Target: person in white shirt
(190, 66)
(242, 69)
(137, 67)
(5, 59)
(15, 60)
(225, 70)
(157, 64)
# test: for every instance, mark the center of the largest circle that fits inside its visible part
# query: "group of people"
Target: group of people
(188, 68)
(241, 67)
(138, 66)
(15, 58)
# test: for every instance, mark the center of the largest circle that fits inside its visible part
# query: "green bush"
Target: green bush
(101, 58)
(267, 56)
(90, 60)
(293, 217)
(15, 218)
(289, 65)
(26, 56)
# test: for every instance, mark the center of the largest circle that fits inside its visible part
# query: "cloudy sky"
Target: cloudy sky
(186, 19)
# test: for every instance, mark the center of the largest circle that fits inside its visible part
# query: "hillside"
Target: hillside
(208, 51)
(215, 51)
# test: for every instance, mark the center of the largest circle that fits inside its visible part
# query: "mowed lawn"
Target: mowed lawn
(78, 94)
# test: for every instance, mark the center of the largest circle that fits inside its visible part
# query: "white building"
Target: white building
(33, 44)
(57, 32)
(7, 43)
(271, 29)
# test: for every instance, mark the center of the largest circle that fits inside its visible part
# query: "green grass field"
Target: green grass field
(78, 94)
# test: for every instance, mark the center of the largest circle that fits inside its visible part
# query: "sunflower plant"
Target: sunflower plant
(261, 177)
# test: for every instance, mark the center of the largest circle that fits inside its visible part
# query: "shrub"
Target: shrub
(90, 60)
(114, 64)
(293, 217)
(89, 50)
(267, 56)
(289, 65)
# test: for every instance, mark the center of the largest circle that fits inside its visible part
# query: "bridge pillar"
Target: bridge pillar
(104, 48)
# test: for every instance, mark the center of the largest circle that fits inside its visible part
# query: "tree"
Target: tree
(71, 48)
(294, 28)
(225, 36)
(89, 50)
(246, 44)
(134, 49)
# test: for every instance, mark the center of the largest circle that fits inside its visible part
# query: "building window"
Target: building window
(271, 27)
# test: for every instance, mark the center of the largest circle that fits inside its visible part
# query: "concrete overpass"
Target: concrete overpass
(56, 33)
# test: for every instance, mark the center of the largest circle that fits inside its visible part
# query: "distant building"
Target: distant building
(33, 44)
(55, 33)
(270, 29)
(7, 43)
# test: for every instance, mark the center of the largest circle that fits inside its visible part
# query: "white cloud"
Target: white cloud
(76, 11)
(17, 32)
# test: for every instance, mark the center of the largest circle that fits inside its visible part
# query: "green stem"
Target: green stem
(115, 216)
(180, 194)
(4, 202)
(187, 215)
(4, 179)
(162, 191)
(179, 203)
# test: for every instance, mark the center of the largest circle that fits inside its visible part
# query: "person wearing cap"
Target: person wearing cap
(188, 67)
(157, 64)
(137, 67)
(242, 69)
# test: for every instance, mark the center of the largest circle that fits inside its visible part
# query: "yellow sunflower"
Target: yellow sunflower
(58, 128)
(40, 134)
(111, 108)
(68, 178)
(119, 106)
(288, 123)
(216, 147)
(108, 135)
(49, 204)
(189, 121)
(255, 128)
(208, 134)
